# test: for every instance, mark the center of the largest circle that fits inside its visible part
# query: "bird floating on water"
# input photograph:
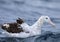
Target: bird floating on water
(13, 27)
(35, 29)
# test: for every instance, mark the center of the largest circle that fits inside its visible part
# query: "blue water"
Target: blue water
(30, 11)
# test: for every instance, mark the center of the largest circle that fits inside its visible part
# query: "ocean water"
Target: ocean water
(30, 11)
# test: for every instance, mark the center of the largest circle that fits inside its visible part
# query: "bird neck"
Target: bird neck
(38, 23)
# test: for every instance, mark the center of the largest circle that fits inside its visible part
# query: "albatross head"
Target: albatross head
(48, 20)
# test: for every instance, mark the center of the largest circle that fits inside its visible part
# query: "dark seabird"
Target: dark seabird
(13, 27)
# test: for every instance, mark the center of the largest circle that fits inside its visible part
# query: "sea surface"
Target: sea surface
(30, 11)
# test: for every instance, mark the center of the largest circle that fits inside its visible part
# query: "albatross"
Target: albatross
(32, 30)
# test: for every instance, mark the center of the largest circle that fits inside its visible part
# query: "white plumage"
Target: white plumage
(35, 29)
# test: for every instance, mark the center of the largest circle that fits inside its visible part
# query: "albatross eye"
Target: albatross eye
(46, 18)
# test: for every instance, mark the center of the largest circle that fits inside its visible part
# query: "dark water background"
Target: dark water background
(30, 11)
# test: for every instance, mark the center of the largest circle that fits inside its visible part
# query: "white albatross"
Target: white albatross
(35, 29)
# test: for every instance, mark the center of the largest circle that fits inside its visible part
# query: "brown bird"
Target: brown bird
(13, 27)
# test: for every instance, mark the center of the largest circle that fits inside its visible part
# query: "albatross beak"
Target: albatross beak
(52, 23)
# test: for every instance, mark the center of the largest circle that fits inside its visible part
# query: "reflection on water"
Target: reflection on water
(30, 11)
